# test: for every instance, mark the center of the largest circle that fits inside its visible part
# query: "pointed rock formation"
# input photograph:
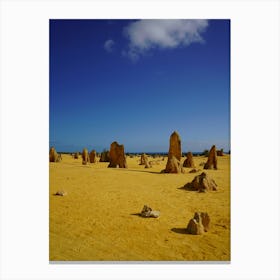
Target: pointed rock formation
(189, 161)
(212, 159)
(92, 156)
(174, 155)
(117, 156)
(143, 158)
(85, 156)
(175, 145)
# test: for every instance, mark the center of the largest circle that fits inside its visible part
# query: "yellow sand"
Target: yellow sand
(96, 219)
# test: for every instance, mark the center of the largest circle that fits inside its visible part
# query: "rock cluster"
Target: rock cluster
(117, 156)
(201, 183)
(199, 224)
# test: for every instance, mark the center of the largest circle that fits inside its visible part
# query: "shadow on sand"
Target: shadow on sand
(188, 188)
(135, 170)
(139, 215)
(179, 230)
(77, 164)
(136, 214)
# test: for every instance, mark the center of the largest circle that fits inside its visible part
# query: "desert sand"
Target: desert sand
(97, 219)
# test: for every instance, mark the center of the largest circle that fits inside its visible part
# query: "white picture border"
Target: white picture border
(254, 138)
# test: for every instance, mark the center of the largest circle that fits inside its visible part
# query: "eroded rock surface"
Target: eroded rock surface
(212, 159)
(201, 183)
(199, 224)
(173, 164)
(117, 156)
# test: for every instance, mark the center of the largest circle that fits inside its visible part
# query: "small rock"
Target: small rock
(148, 212)
(61, 193)
(154, 214)
(199, 224)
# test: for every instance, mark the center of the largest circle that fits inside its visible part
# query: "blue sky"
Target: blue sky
(136, 81)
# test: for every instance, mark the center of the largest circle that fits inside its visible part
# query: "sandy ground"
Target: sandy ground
(97, 220)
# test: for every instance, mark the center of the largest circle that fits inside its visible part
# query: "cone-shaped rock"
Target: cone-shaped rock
(92, 156)
(201, 183)
(195, 227)
(117, 156)
(212, 159)
(76, 155)
(189, 161)
(199, 223)
(85, 156)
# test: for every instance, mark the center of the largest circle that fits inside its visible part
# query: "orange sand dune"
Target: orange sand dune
(96, 220)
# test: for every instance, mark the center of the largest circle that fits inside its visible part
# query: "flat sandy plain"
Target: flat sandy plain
(97, 220)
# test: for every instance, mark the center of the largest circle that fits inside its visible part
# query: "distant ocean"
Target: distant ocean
(139, 153)
(71, 150)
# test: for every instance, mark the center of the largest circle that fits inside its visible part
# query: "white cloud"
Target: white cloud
(144, 35)
(109, 45)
